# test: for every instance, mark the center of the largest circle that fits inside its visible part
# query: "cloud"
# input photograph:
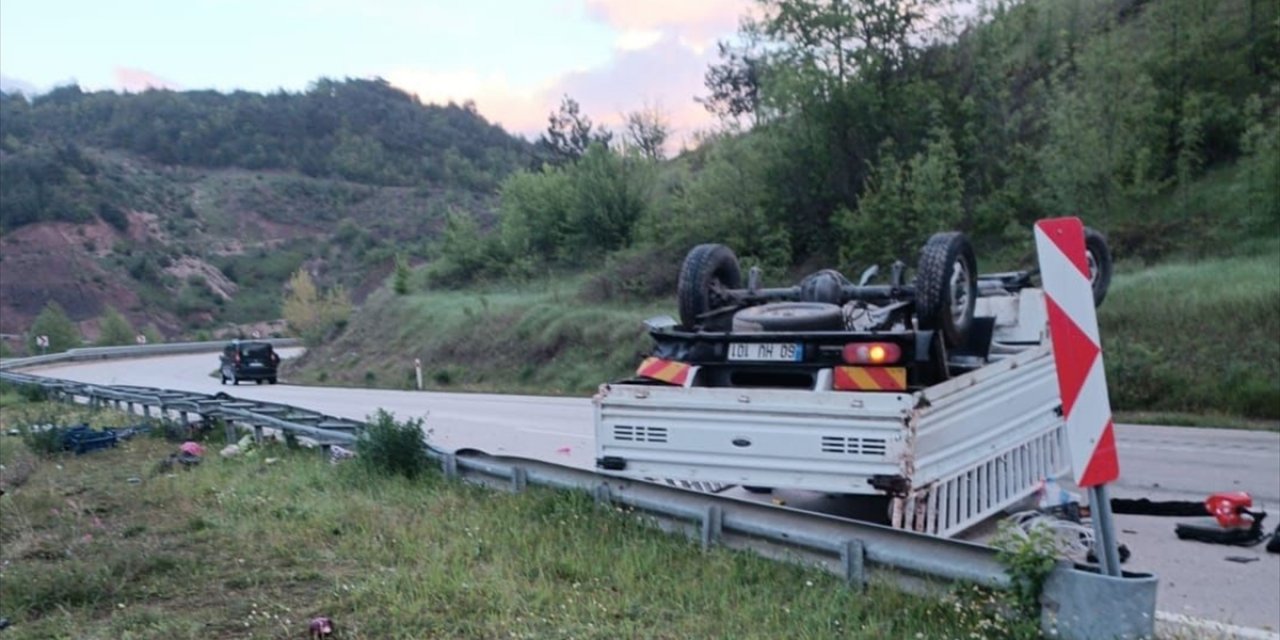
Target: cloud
(131, 79)
(638, 39)
(666, 76)
(518, 109)
(15, 85)
(696, 25)
(658, 71)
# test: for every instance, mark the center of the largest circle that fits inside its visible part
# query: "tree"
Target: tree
(612, 193)
(829, 81)
(152, 333)
(734, 84)
(115, 330)
(401, 284)
(54, 324)
(647, 131)
(904, 203)
(536, 214)
(311, 315)
(569, 133)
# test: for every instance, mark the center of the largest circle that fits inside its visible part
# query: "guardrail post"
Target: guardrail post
(450, 465)
(229, 429)
(257, 434)
(519, 479)
(852, 555)
(712, 524)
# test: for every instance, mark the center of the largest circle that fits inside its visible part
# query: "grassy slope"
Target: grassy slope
(246, 549)
(1196, 336)
(541, 339)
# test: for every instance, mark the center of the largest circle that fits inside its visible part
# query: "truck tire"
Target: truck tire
(789, 316)
(707, 269)
(947, 286)
(1098, 253)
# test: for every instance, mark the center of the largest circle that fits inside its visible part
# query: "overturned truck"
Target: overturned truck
(939, 393)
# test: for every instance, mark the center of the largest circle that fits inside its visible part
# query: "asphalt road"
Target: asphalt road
(1233, 585)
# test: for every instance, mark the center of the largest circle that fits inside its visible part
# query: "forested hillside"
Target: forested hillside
(854, 129)
(362, 131)
(189, 210)
(851, 131)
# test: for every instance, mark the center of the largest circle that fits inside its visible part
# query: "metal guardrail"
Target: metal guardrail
(132, 351)
(324, 429)
(1077, 601)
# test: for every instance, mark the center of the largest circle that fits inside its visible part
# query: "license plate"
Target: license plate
(766, 352)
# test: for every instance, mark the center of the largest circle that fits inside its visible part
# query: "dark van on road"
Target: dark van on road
(255, 361)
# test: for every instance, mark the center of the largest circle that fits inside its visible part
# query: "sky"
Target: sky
(514, 58)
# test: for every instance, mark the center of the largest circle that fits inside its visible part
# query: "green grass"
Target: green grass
(246, 549)
(541, 338)
(1196, 337)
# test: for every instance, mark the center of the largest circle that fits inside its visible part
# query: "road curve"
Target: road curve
(1161, 463)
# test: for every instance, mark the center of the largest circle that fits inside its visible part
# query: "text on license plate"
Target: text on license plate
(766, 351)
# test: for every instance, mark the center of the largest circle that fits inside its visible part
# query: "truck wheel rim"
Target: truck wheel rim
(959, 291)
(1093, 266)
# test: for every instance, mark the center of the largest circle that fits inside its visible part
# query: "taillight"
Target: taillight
(872, 353)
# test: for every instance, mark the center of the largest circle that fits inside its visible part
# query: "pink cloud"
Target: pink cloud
(519, 109)
(131, 79)
(696, 24)
(666, 76)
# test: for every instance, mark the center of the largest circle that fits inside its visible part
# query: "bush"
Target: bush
(392, 447)
(636, 275)
(42, 441)
(1029, 555)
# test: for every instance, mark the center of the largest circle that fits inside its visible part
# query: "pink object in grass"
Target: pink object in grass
(192, 448)
(321, 627)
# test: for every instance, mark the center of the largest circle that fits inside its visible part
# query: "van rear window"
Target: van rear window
(256, 350)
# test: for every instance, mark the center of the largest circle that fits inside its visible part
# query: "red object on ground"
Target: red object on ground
(1230, 508)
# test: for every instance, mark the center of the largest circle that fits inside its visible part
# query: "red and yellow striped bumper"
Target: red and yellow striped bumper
(870, 379)
(668, 371)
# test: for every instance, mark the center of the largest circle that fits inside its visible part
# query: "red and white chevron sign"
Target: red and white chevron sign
(1073, 327)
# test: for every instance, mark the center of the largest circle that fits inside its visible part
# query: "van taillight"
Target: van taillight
(872, 353)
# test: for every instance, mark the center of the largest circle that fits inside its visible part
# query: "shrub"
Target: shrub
(636, 274)
(42, 441)
(393, 447)
(1029, 555)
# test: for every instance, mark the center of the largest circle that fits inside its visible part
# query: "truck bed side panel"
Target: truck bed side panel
(826, 441)
(974, 417)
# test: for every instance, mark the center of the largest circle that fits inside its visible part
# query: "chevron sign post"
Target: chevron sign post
(1077, 352)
